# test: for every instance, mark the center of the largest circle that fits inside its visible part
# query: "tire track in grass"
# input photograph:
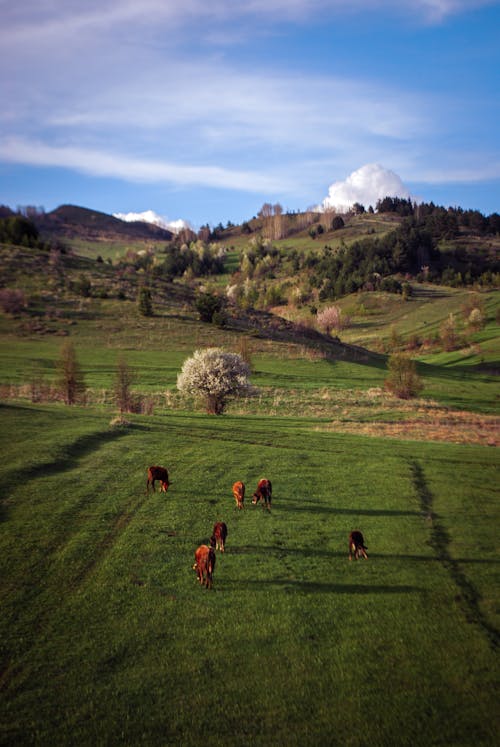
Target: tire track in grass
(105, 545)
(440, 541)
(68, 459)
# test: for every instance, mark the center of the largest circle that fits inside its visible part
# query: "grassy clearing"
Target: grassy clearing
(290, 377)
(105, 636)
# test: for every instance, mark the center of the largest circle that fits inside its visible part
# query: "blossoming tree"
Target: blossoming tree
(215, 376)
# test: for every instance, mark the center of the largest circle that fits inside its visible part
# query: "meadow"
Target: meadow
(105, 635)
(107, 638)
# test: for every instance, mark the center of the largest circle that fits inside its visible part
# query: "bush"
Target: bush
(144, 302)
(209, 307)
(12, 300)
(403, 380)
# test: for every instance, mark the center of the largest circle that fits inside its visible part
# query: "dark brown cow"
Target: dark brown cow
(204, 564)
(239, 493)
(157, 473)
(357, 546)
(264, 493)
(219, 534)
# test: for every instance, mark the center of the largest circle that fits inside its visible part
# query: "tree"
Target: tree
(123, 381)
(449, 335)
(331, 318)
(403, 380)
(71, 382)
(215, 376)
(144, 302)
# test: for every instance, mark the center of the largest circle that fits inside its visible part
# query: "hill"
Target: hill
(72, 222)
(264, 297)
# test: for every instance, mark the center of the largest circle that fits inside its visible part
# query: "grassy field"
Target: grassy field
(106, 637)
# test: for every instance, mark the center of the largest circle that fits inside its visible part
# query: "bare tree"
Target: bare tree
(71, 382)
(123, 381)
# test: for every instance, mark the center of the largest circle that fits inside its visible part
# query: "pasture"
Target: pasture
(106, 637)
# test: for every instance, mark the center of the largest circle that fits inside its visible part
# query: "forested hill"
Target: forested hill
(328, 255)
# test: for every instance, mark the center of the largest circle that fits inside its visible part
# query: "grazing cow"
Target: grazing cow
(219, 535)
(204, 564)
(239, 493)
(357, 545)
(264, 493)
(157, 473)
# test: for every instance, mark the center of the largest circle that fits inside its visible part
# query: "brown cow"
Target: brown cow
(264, 493)
(219, 534)
(204, 564)
(357, 546)
(239, 493)
(157, 473)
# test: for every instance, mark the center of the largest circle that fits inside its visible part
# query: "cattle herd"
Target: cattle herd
(204, 556)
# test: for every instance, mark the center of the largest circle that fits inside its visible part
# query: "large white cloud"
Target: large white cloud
(367, 185)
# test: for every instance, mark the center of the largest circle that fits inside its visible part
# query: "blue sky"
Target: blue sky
(205, 110)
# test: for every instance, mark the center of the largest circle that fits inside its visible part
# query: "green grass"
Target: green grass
(113, 250)
(106, 638)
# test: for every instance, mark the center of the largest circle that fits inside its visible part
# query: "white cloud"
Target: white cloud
(98, 163)
(149, 216)
(367, 185)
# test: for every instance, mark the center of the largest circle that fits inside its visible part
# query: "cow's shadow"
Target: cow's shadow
(318, 508)
(312, 552)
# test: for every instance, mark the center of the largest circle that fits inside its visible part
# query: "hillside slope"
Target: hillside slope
(70, 221)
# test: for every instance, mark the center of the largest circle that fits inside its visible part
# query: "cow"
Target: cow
(219, 534)
(157, 473)
(357, 545)
(204, 564)
(239, 493)
(264, 493)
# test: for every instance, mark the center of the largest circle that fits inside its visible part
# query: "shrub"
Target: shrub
(209, 305)
(12, 300)
(144, 301)
(82, 286)
(403, 380)
(476, 319)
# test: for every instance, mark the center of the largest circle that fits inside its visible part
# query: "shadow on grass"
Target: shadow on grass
(469, 597)
(307, 552)
(319, 508)
(69, 458)
(313, 587)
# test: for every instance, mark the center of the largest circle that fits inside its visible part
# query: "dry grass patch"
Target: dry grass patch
(418, 421)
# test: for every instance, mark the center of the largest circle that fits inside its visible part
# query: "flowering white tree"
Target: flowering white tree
(214, 375)
(332, 318)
